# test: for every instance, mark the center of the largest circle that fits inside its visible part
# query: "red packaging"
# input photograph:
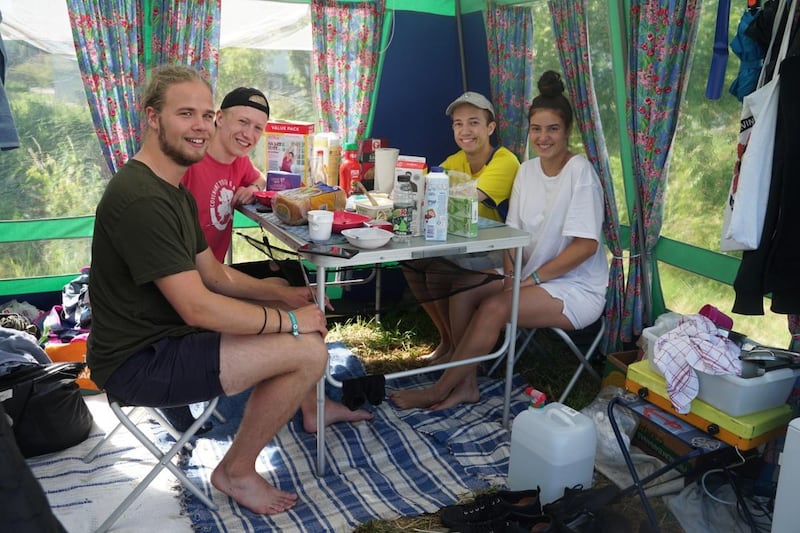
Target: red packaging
(366, 156)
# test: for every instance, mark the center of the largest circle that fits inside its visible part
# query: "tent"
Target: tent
(431, 50)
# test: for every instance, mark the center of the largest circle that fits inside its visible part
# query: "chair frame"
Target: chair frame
(584, 358)
(129, 420)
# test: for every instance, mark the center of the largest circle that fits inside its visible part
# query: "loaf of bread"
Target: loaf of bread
(292, 205)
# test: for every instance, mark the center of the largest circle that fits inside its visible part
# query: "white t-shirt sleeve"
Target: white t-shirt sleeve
(585, 214)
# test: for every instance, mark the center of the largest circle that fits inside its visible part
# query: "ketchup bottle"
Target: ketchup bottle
(350, 168)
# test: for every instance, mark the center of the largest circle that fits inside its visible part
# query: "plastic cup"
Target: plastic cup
(320, 224)
(385, 163)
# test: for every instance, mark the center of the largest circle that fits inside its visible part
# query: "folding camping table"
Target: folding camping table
(499, 237)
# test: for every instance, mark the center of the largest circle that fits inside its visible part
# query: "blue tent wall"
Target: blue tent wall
(422, 75)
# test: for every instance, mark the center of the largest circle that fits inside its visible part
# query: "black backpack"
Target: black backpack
(46, 407)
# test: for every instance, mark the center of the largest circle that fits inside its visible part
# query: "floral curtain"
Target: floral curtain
(509, 35)
(187, 32)
(108, 46)
(570, 28)
(110, 49)
(662, 32)
(346, 39)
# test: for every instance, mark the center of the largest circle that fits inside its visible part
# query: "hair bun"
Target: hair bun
(550, 84)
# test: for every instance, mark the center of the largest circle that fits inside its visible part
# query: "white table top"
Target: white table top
(488, 239)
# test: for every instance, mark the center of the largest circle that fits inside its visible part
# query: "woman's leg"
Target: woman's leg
(480, 331)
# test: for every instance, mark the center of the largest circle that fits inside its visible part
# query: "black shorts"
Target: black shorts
(288, 269)
(172, 371)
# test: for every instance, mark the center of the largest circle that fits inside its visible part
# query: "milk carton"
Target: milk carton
(414, 167)
(288, 147)
(437, 185)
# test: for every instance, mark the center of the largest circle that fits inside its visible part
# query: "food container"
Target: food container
(264, 197)
(383, 211)
(346, 220)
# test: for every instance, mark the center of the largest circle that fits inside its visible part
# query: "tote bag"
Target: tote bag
(743, 218)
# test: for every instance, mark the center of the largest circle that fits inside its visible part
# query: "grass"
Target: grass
(403, 335)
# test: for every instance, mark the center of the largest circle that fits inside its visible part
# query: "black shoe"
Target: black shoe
(491, 506)
(581, 510)
(513, 522)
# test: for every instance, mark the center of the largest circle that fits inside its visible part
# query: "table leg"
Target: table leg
(512, 345)
(321, 279)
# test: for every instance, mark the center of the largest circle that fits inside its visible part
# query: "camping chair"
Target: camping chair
(526, 337)
(129, 418)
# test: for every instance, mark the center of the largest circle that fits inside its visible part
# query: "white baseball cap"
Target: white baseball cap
(471, 98)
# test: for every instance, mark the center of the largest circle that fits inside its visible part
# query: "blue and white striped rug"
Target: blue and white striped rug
(403, 463)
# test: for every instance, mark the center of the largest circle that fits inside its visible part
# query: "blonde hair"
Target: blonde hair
(163, 78)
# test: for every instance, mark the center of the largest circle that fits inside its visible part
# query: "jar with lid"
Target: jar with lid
(350, 168)
(402, 209)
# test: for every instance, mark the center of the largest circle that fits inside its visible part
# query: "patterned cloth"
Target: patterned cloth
(403, 463)
(695, 344)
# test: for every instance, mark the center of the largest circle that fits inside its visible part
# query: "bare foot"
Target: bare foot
(421, 398)
(442, 354)
(253, 492)
(334, 412)
(463, 393)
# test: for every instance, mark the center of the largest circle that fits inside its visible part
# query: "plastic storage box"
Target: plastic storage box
(733, 395)
(743, 396)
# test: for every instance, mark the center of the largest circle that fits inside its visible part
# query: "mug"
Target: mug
(320, 223)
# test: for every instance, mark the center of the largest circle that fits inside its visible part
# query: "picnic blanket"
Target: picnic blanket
(402, 463)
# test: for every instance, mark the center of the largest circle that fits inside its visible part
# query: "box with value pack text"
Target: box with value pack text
(288, 147)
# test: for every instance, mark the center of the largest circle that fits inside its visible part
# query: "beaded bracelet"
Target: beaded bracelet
(264, 325)
(536, 278)
(295, 330)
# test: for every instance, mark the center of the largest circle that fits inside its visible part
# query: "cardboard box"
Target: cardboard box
(658, 442)
(278, 180)
(414, 167)
(462, 216)
(288, 147)
(616, 368)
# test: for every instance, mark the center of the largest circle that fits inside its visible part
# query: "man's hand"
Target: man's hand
(294, 297)
(310, 318)
(244, 195)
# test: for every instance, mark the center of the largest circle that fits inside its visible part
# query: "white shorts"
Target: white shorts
(581, 307)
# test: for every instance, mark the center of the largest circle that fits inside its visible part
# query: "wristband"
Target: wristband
(536, 278)
(293, 319)
(264, 325)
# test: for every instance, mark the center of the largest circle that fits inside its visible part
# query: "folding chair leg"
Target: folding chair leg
(584, 359)
(527, 338)
(164, 459)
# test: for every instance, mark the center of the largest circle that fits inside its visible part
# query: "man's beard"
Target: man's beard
(173, 152)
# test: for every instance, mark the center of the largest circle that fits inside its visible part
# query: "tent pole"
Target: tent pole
(147, 35)
(460, 33)
(386, 33)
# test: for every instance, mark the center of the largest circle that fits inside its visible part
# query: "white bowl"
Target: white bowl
(367, 237)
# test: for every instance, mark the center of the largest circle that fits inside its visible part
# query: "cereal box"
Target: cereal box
(414, 166)
(288, 147)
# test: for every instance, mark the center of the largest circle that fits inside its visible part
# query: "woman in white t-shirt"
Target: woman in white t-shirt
(558, 199)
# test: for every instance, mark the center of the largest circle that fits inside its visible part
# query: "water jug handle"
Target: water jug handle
(558, 413)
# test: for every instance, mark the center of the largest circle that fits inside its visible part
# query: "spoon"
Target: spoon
(360, 186)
